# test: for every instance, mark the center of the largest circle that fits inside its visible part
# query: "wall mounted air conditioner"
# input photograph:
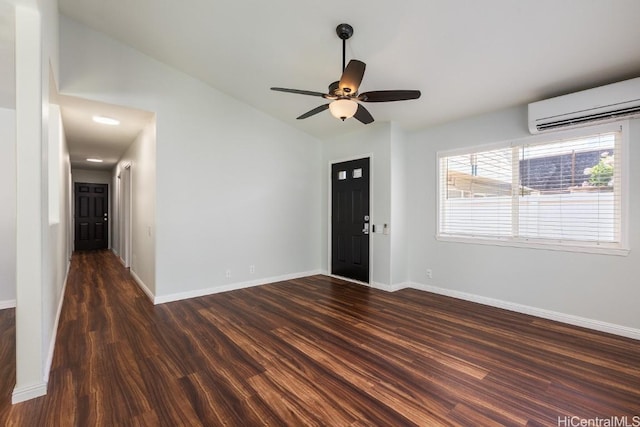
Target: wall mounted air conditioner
(605, 103)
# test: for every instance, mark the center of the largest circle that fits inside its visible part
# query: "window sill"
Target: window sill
(564, 247)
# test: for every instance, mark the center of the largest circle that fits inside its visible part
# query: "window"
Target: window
(558, 193)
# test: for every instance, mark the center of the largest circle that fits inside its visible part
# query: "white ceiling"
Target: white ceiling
(467, 57)
(88, 139)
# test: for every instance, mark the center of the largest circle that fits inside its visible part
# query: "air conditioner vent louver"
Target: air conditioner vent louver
(605, 103)
(618, 114)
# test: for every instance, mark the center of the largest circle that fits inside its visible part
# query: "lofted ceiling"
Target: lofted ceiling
(467, 57)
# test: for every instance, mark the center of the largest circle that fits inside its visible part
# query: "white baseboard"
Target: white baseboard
(54, 332)
(142, 286)
(390, 288)
(162, 299)
(374, 285)
(11, 303)
(29, 392)
(570, 319)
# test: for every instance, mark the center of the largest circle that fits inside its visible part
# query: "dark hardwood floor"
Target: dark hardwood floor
(313, 351)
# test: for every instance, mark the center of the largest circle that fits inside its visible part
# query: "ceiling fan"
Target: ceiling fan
(345, 100)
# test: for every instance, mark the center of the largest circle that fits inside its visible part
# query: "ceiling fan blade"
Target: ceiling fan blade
(299, 91)
(363, 115)
(316, 110)
(352, 77)
(389, 95)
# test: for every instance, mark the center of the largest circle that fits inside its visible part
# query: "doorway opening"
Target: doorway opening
(124, 214)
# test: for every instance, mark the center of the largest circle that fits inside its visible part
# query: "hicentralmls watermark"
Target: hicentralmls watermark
(613, 421)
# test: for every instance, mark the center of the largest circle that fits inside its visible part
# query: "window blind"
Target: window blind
(565, 191)
(477, 193)
(568, 190)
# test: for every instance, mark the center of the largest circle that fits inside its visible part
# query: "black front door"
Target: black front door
(350, 219)
(91, 230)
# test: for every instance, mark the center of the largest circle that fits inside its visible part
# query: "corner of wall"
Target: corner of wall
(28, 392)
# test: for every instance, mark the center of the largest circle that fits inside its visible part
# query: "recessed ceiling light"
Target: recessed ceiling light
(106, 120)
(94, 160)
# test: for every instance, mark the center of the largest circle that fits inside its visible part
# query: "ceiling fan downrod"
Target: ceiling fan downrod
(344, 31)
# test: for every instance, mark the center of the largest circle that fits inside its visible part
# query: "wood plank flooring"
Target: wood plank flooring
(313, 352)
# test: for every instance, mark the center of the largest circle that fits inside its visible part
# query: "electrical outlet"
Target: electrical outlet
(228, 274)
(429, 273)
(252, 269)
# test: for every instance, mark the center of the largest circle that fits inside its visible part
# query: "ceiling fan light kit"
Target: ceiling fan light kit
(343, 108)
(345, 100)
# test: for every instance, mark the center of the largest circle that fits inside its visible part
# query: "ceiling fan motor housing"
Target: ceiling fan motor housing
(334, 88)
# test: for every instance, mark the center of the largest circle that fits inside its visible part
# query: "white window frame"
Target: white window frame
(622, 248)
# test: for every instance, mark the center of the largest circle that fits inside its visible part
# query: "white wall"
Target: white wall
(56, 263)
(385, 143)
(29, 203)
(235, 187)
(399, 230)
(375, 141)
(598, 287)
(141, 156)
(8, 211)
(91, 176)
(36, 57)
